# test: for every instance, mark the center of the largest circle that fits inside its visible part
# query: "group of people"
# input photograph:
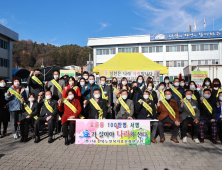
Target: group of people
(169, 103)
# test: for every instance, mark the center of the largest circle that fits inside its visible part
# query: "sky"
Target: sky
(63, 22)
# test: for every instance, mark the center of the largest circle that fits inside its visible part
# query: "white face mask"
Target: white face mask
(82, 83)
(150, 88)
(220, 98)
(2, 84)
(91, 81)
(124, 97)
(16, 83)
(97, 96)
(167, 81)
(102, 82)
(71, 97)
(124, 82)
(167, 97)
(192, 87)
(207, 83)
(188, 97)
(140, 81)
(31, 99)
(146, 96)
(161, 87)
(71, 83)
(181, 84)
(215, 88)
(48, 97)
(176, 84)
(85, 77)
(56, 76)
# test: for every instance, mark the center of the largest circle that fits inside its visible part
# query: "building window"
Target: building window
(198, 47)
(177, 63)
(177, 48)
(3, 62)
(119, 50)
(97, 52)
(153, 49)
(146, 49)
(206, 47)
(1, 43)
(202, 62)
(215, 46)
(185, 48)
(111, 51)
(104, 52)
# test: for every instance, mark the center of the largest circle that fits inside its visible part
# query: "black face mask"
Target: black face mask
(135, 89)
(216, 85)
(37, 75)
(114, 83)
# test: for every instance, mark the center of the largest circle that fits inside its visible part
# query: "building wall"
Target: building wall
(4, 56)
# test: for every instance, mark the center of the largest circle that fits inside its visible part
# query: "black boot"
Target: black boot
(50, 139)
(22, 139)
(66, 141)
(26, 139)
(72, 140)
(37, 139)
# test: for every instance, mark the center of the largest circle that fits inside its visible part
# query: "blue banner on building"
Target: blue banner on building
(186, 35)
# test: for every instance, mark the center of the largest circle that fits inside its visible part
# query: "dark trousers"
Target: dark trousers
(113, 116)
(161, 127)
(196, 126)
(219, 123)
(5, 126)
(42, 120)
(72, 128)
(24, 126)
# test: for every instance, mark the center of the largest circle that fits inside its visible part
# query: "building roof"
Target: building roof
(9, 33)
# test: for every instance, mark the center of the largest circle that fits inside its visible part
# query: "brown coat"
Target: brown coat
(164, 112)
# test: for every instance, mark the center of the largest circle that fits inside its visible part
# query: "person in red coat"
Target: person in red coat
(71, 85)
(69, 114)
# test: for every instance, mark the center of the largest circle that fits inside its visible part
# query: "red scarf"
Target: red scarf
(17, 88)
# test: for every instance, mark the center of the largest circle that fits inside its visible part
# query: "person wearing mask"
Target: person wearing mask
(215, 89)
(56, 86)
(34, 83)
(115, 94)
(168, 113)
(195, 93)
(82, 83)
(177, 91)
(135, 94)
(219, 116)
(4, 114)
(88, 89)
(71, 108)
(141, 83)
(208, 115)
(189, 114)
(71, 85)
(167, 81)
(160, 91)
(14, 95)
(48, 114)
(106, 94)
(123, 85)
(30, 111)
(146, 110)
(206, 85)
(124, 107)
(153, 95)
(65, 78)
(95, 106)
(182, 83)
(85, 75)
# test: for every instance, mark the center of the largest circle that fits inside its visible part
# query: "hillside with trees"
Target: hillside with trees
(29, 54)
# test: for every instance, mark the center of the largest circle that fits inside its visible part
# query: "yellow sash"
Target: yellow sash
(27, 108)
(151, 97)
(75, 87)
(219, 90)
(48, 106)
(95, 104)
(169, 108)
(177, 92)
(114, 89)
(162, 95)
(37, 80)
(103, 95)
(189, 106)
(194, 97)
(147, 107)
(208, 106)
(70, 105)
(124, 104)
(57, 85)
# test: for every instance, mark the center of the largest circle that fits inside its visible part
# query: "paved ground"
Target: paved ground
(17, 155)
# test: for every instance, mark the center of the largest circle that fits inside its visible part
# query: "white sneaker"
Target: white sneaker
(185, 140)
(196, 141)
(15, 136)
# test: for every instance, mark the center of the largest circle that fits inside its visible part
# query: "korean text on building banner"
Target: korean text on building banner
(112, 132)
(130, 74)
(198, 77)
(71, 73)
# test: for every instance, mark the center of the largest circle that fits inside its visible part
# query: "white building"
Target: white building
(7, 36)
(173, 50)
